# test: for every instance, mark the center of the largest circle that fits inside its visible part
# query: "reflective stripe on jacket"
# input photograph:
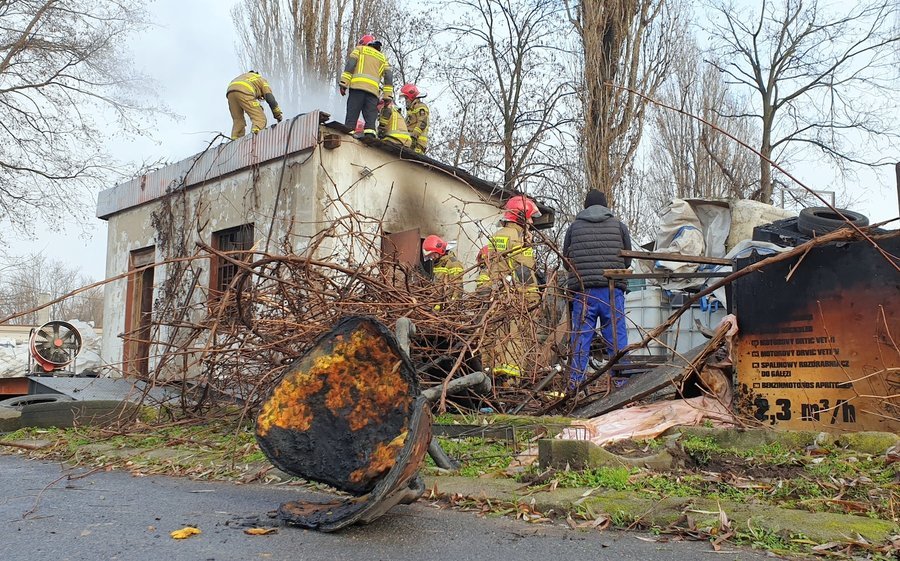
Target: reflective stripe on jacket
(510, 256)
(366, 69)
(448, 266)
(417, 115)
(392, 127)
(251, 83)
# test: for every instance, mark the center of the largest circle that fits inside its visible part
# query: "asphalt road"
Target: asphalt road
(113, 515)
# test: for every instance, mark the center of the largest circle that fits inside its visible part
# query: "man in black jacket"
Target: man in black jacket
(592, 244)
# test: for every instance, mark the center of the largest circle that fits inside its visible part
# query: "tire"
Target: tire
(23, 400)
(821, 220)
(67, 414)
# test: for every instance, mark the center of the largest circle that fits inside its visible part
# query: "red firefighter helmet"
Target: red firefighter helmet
(366, 39)
(409, 91)
(520, 209)
(434, 246)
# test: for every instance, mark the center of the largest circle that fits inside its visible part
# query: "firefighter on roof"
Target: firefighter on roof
(391, 126)
(366, 73)
(244, 94)
(417, 115)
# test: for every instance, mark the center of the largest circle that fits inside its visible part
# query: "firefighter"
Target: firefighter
(244, 93)
(391, 126)
(366, 73)
(448, 270)
(510, 261)
(417, 116)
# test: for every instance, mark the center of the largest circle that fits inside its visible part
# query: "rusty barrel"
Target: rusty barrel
(349, 414)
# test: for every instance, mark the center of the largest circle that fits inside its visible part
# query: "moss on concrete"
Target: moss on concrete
(625, 508)
(582, 454)
(875, 443)
(9, 419)
(746, 439)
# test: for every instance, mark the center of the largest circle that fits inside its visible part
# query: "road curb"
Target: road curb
(626, 509)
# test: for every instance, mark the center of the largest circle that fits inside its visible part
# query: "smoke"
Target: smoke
(315, 94)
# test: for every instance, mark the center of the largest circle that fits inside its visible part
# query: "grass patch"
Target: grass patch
(701, 448)
(477, 456)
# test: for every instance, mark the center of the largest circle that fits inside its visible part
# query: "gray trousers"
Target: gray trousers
(359, 101)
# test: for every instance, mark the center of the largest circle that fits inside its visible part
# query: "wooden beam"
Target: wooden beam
(653, 256)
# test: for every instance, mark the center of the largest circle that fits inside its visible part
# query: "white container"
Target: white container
(648, 308)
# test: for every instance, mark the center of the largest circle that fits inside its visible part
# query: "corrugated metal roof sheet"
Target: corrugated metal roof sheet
(294, 135)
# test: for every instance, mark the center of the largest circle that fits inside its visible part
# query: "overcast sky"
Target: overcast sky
(191, 55)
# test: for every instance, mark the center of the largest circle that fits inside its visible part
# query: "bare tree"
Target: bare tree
(302, 44)
(410, 43)
(627, 49)
(690, 158)
(508, 81)
(63, 80)
(821, 75)
(27, 282)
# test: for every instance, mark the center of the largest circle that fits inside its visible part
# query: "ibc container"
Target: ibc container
(646, 309)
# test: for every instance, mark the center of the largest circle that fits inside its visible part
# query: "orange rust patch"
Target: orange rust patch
(383, 459)
(361, 371)
(288, 407)
(365, 374)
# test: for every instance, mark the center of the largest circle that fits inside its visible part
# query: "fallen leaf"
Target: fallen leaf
(185, 532)
(260, 531)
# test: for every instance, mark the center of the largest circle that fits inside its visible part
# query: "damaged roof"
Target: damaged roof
(293, 136)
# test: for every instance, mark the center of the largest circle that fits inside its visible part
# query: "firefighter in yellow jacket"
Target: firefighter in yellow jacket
(391, 126)
(366, 75)
(510, 261)
(244, 95)
(448, 270)
(417, 117)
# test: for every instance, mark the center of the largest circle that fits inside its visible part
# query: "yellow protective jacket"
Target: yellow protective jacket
(367, 69)
(255, 85)
(511, 256)
(417, 116)
(392, 127)
(448, 269)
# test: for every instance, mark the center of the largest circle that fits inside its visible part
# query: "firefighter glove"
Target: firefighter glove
(278, 114)
(343, 90)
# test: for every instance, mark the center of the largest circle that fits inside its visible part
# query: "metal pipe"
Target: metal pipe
(477, 381)
(441, 459)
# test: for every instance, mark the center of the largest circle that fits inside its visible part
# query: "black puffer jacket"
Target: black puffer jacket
(592, 244)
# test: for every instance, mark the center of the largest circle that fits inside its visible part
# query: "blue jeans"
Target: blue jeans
(589, 306)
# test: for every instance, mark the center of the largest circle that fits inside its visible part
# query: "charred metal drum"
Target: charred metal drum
(349, 414)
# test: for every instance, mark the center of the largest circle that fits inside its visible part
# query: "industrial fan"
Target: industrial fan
(55, 345)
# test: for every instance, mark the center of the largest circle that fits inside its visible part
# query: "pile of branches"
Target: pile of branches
(238, 344)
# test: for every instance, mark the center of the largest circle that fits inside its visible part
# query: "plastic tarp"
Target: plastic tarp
(649, 421)
(680, 231)
(715, 221)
